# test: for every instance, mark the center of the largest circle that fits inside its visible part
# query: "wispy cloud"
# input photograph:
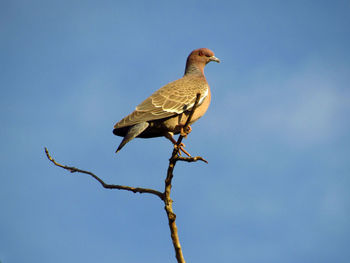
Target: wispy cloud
(303, 107)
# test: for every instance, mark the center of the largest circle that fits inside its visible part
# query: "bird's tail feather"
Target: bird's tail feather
(133, 132)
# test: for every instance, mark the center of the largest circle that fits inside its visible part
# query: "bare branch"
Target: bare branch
(191, 159)
(167, 200)
(107, 186)
(165, 197)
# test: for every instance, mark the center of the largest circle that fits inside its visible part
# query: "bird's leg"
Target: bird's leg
(186, 132)
(171, 138)
(183, 132)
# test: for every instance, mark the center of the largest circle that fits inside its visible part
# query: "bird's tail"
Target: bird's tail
(133, 132)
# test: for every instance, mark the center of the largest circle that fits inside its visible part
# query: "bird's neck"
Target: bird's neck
(194, 69)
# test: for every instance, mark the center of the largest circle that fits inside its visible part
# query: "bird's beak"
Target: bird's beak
(213, 58)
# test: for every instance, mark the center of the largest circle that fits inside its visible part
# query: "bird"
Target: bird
(165, 112)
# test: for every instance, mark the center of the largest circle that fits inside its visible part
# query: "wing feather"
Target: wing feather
(170, 100)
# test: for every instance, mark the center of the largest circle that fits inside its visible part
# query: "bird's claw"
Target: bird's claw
(180, 148)
(184, 132)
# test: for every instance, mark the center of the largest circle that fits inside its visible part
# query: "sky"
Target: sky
(276, 135)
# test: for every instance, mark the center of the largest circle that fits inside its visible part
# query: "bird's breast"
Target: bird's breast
(201, 109)
(175, 123)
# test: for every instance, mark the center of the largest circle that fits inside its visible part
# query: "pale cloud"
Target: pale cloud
(333, 204)
(307, 114)
(303, 107)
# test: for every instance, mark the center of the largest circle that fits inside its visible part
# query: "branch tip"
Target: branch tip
(107, 186)
(191, 159)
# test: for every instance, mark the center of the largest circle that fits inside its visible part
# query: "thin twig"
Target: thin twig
(107, 186)
(191, 159)
(179, 140)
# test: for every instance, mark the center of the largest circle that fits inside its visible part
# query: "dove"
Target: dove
(165, 112)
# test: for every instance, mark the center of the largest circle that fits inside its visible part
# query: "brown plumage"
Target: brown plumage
(165, 112)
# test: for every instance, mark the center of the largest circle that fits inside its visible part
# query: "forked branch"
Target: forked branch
(165, 196)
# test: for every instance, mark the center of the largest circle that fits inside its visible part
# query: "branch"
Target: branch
(179, 140)
(167, 200)
(191, 159)
(107, 186)
(165, 197)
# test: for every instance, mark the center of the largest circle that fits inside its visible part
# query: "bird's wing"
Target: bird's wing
(170, 100)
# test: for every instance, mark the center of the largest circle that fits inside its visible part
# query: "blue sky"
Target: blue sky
(277, 133)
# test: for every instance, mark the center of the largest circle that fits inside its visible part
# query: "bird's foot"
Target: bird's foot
(186, 132)
(180, 148)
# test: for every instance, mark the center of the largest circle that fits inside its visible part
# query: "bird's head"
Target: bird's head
(198, 59)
